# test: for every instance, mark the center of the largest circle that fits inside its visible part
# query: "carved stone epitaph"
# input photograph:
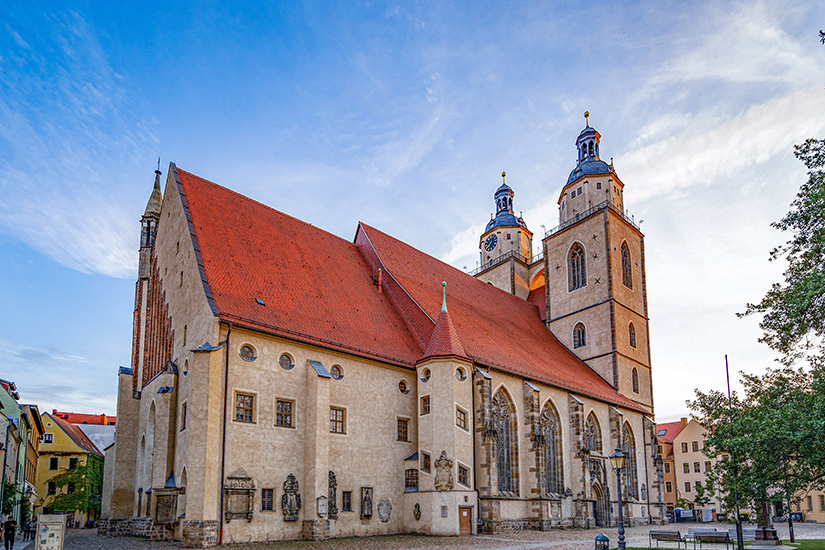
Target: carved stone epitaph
(384, 510)
(366, 502)
(291, 500)
(239, 496)
(333, 496)
(443, 472)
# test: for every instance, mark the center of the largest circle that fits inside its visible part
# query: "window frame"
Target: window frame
(183, 411)
(666, 467)
(687, 487)
(270, 500)
(48, 438)
(684, 446)
(410, 480)
(54, 463)
(290, 414)
(695, 446)
(346, 501)
(579, 335)
(402, 434)
(426, 405)
(461, 419)
(251, 348)
(290, 360)
(426, 462)
(668, 486)
(253, 414)
(334, 422)
(686, 467)
(627, 264)
(466, 470)
(576, 267)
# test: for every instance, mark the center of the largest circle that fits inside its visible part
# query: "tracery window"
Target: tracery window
(631, 333)
(550, 427)
(505, 452)
(576, 267)
(627, 276)
(579, 336)
(592, 435)
(635, 377)
(631, 477)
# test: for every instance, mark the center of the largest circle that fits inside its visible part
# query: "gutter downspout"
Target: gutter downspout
(223, 430)
(647, 473)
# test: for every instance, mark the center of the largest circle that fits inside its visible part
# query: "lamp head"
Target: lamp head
(617, 459)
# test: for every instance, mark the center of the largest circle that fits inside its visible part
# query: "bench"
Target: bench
(716, 536)
(665, 536)
(692, 531)
(748, 533)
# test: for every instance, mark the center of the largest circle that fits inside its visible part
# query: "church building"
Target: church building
(289, 384)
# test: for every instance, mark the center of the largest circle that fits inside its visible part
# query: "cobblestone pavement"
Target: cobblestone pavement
(562, 539)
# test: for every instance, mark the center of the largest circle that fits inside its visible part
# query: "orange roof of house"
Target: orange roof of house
(81, 418)
(672, 429)
(321, 289)
(444, 341)
(76, 434)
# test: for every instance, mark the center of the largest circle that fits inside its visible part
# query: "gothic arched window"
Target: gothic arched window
(576, 267)
(631, 334)
(506, 452)
(631, 477)
(550, 427)
(627, 276)
(592, 434)
(635, 377)
(579, 336)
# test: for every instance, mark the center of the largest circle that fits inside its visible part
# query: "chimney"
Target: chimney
(684, 423)
(380, 280)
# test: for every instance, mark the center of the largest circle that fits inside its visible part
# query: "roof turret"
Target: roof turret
(155, 199)
(587, 145)
(504, 216)
(444, 341)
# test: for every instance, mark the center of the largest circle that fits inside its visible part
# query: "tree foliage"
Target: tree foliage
(86, 483)
(794, 311)
(772, 439)
(9, 497)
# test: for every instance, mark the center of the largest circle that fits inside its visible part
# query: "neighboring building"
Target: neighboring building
(811, 505)
(36, 431)
(100, 428)
(286, 383)
(16, 444)
(64, 446)
(665, 434)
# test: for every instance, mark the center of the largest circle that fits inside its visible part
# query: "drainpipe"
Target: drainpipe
(5, 459)
(223, 430)
(647, 474)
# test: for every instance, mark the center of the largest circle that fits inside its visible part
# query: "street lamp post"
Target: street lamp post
(617, 459)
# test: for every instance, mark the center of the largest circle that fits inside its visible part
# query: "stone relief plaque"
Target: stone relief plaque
(417, 511)
(321, 506)
(384, 510)
(366, 502)
(291, 499)
(239, 496)
(443, 472)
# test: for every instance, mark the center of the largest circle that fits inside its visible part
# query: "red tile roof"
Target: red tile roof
(444, 341)
(538, 298)
(315, 286)
(81, 418)
(672, 429)
(76, 434)
(318, 288)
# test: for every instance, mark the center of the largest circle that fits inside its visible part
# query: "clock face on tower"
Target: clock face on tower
(490, 243)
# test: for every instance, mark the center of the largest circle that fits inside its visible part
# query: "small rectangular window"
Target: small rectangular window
(707, 465)
(661, 432)
(346, 501)
(337, 421)
(579, 191)
(244, 407)
(686, 468)
(810, 504)
(70, 488)
(283, 413)
(822, 503)
(425, 461)
(461, 418)
(687, 486)
(410, 480)
(697, 467)
(684, 447)
(425, 405)
(267, 496)
(463, 476)
(695, 446)
(668, 487)
(403, 429)
(697, 485)
(598, 185)
(72, 463)
(50, 488)
(661, 450)
(667, 467)
(53, 463)
(47, 438)
(508, 236)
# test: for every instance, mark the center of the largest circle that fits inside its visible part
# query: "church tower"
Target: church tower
(507, 260)
(595, 282)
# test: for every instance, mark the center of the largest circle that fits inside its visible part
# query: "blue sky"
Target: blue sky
(401, 115)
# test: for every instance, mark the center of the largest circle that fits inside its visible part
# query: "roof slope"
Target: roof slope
(76, 434)
(496, 328)
(444, 341)
(672, 429)
(315, 285)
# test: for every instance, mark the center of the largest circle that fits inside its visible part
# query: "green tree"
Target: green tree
(775, 432)
(9, 497)
(794, 311)
(81, 487)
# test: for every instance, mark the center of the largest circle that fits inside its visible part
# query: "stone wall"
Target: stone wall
(136, 527)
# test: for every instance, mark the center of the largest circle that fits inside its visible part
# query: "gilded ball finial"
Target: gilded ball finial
(586, 114)
(503, 176)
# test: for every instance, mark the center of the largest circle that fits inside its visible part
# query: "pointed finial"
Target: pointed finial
(503, 176)
(587, 118)
(443, 295)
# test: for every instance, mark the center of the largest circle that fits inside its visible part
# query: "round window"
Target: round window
(425, 375)
(402, 387)
(336, 372)
(459, 374)
(286, 362)
(247, 353)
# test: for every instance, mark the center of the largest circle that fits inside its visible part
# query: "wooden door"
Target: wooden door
(465, 520)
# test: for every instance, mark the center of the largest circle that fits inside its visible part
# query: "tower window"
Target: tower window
(508, 236)
(579, 336)
(631, 333)
(627, 275)
(576, 267)
(635, 377)
(598, 185)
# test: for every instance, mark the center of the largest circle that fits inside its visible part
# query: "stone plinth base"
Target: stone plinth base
(136, 527)
(315, 529)
(200, 534)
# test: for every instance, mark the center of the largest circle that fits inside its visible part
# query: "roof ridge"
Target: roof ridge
(71, 428)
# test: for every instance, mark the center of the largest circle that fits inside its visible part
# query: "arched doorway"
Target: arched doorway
(599, 506)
